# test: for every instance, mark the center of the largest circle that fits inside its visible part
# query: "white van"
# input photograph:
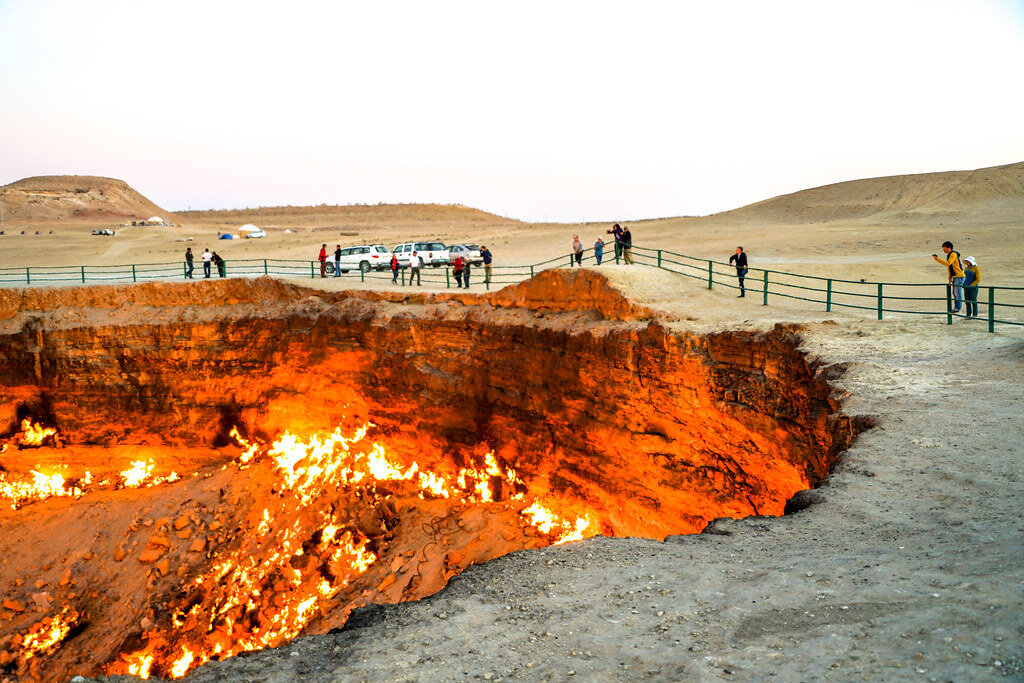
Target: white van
(365, 257)
(431, 253)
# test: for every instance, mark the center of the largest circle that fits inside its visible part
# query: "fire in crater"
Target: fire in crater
(446, 436)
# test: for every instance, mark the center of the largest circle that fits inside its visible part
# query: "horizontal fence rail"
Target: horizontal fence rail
(995, 305)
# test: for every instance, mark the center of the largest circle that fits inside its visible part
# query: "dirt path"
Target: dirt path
(910, 564)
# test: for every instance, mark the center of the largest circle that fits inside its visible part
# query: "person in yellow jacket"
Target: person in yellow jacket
(956, 273)
(972, 278)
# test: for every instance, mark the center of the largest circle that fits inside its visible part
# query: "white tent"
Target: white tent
(248, 227)
(154, 219)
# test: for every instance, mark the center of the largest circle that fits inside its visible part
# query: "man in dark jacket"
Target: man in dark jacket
(627, 245)
(617, 231)
(740, 258)
(188, 264)
(337, 261)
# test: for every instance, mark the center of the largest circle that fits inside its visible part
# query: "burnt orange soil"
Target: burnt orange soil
(601, 409)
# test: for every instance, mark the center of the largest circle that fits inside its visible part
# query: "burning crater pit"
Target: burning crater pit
(233, 464)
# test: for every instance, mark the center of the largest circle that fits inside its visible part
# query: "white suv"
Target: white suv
(431, 253)
(365, 257)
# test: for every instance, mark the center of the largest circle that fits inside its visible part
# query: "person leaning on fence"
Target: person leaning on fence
(627, 245)
(207, 257)
(394, 268)
(598, 250)
(956, 273)
(577, 249)
(617, 231)
(221, 266)
(337, 261)
(972, 278)
(740, 257)
(485, 254)
(189, 267)
(322, 257)
(457, 265)
(414, 268)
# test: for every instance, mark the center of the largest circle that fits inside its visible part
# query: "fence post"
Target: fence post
(991, 309)
(362, 275)
(828, 296)
(402, 270)
(765, 288)
(312, 272)
(134, 279)
(659, 258)
(265, 267)
(711, 274)
(570, 260)
(949, 304)
(447, 278)
(879, 300)
(531, 271)
(83, 275)
(28, 277)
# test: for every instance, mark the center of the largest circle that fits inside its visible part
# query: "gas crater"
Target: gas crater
(233, 464)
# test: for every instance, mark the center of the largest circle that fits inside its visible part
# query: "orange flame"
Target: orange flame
(33, 434)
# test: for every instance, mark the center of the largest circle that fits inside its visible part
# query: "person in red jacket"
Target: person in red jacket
(457, 265)
(394, 268)
(323, 260)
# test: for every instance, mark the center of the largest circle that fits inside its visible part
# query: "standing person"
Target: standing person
(972, 278)
(465, 273)
(189, 267)
(627, 245)
(207, 257)
(414, 269)
(598, 250)
(485, 254)
(956, 273)
(617, 231)
(323, 260)
(221, 267)
(394, 268)
(740, 258)
(577, 249)
(337, 261)
(457, 265)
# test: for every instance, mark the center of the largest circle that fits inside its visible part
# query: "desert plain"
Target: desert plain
(905, 563)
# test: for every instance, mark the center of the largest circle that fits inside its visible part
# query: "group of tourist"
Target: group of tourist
(461, 268)
(964, 275)
(623, 246)
(964, 279)
(208, 258)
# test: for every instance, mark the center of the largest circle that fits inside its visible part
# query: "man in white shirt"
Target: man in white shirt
(207, 258)
(414, 268)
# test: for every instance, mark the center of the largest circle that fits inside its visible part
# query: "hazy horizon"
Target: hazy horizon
(542, 112)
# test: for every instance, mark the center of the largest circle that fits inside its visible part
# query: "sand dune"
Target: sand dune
(992, 190)
(75, 198)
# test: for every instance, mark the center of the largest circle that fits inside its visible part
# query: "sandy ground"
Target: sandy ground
(909, 565)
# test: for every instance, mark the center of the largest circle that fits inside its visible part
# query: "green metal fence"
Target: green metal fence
(996, 305)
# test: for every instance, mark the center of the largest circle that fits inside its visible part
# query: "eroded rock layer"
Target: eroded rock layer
(601, 412)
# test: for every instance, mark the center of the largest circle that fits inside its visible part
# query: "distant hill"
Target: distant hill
(77, 198)
(353, 216)
(997, 191)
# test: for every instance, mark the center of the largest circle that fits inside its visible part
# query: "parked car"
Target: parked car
(105, 231)
(433, 253)
(469, 252)
(255, 233)
(364, 257)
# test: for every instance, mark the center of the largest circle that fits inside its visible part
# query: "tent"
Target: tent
(227, 236)
(154, 219)
(248, 227)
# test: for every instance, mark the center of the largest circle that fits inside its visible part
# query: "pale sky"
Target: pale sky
(535, 110)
